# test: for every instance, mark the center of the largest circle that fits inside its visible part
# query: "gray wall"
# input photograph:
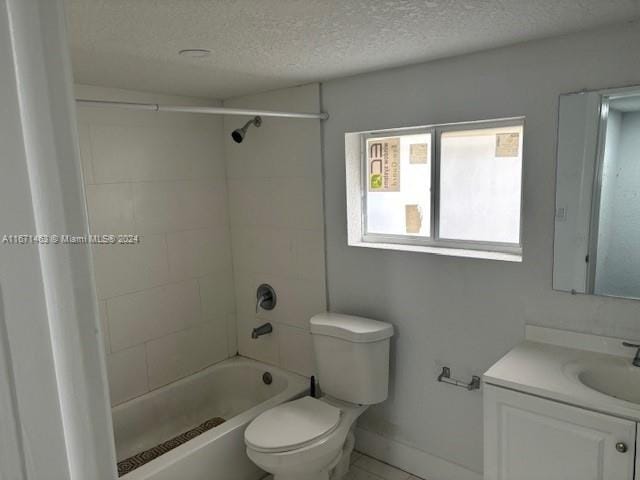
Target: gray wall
(618, 264)
(461, 312)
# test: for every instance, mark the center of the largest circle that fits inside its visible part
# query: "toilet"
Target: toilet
(312, 438)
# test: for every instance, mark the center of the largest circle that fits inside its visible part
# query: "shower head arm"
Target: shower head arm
(239, 133)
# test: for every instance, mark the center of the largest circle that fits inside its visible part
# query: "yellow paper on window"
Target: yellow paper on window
(413, 218)
(418, 153)
(383, 158)
(507, 144)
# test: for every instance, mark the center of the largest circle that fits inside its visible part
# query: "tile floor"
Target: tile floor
(367, 468)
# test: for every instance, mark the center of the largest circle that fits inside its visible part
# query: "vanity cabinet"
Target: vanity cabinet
(532, 438)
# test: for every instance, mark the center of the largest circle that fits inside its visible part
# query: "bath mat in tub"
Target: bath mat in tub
(129, 464)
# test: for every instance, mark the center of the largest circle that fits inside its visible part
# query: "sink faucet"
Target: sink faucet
(636, 359)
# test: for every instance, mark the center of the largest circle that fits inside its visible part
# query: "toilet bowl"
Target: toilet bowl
(305, 439)
(312, 438)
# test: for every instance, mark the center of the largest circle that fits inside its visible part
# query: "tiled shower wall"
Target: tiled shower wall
(167, 304)
(276, 212)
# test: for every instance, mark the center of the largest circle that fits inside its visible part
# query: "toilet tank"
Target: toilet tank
(352, 357)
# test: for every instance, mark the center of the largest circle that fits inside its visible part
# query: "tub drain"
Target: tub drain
(267, 378)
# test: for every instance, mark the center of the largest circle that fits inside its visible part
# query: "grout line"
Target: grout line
(149, 340)
(383, 462)
(214, 226)
(169, 283)
(373, 476)
(272, 226)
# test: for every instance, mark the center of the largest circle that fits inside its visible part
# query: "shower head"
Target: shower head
(239, 133)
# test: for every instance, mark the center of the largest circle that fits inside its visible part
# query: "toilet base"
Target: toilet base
(343, 464)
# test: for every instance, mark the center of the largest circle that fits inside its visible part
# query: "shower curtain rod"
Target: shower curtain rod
(155, 107)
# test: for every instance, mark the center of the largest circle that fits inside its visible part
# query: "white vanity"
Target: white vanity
(562, 406)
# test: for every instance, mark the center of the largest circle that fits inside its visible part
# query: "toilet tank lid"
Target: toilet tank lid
(350, 327)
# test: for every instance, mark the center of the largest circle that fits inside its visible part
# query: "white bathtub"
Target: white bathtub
(233, 390)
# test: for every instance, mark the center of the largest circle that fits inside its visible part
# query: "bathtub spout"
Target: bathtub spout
(261, 330)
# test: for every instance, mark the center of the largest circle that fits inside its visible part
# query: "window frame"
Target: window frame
(434, 240)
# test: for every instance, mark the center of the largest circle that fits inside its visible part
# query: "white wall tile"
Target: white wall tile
(265, 348)
(306, 297)
(217, 294)
(298, 299)
(104, 321)
(196, 253)
(297, 203)
(127, 374)
(308, 247)
(114, 149)
(296, 350)
(276, 217)
(263, 249)
(180, 354)
(85, 153)
(110, 208)
(245, 290)
(160, 176)
(232, 334)
(123, 269)
(300, 161)
(276, 202)
(154, 152)
(139, 317)
(251, 201)
(246, 286)
(179, 205)
(184, 154)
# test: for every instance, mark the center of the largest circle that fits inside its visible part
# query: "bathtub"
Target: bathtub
(233, 389)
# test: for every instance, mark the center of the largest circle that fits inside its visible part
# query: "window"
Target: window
(452, 189)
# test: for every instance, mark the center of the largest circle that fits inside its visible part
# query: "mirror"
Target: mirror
(597, 218)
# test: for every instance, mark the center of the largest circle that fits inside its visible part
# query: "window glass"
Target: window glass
(480, 190)
(398, 185)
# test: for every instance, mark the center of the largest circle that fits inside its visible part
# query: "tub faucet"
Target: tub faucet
(261, 330)
(636, 359)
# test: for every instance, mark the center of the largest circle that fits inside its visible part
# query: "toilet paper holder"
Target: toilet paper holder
(445, 377)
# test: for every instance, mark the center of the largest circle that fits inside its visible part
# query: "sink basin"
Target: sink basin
(615, 377)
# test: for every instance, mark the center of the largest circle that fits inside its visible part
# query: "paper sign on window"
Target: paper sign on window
(507, 144)
(418, 153)
(413, 218)
(384, 164)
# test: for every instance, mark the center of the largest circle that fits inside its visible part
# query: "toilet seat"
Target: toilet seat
(292, 425)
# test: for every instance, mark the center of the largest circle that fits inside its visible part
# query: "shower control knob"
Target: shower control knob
(621, 447)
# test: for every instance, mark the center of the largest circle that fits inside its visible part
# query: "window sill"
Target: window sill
(451, 252)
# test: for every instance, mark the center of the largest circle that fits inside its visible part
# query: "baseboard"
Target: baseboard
(412, 460)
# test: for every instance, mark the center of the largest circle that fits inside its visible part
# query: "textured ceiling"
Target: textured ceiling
(259, 45)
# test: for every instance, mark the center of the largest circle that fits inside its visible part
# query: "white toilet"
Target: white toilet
(312, 439)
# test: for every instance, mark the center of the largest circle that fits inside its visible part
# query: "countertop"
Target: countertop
(551, 371)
